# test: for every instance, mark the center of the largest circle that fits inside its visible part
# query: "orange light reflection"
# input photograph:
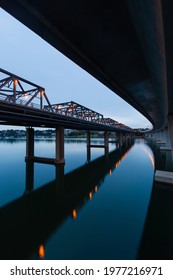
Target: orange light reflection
(41, 251)
(74, 214)
(90, 195)
(150, 157)
(117, 164)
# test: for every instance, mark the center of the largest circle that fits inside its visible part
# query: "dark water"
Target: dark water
(157, 241)
(84, 210)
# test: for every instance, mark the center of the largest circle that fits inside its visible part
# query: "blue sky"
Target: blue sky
(27, 55)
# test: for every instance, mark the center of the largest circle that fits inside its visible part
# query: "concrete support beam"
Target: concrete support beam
(106, 143)
(165, 148)
(89, 146)
(163, 136)
(160, 137)
(119, 137)
(59, 148)
(170, 131)
(29, 144)
(168, 139)
(113, 138)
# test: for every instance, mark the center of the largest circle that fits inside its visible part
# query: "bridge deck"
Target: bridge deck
(11, 114)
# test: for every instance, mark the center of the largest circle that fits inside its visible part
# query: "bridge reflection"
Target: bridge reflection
(27, 222)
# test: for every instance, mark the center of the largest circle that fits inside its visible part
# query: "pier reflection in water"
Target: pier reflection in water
(96, 211)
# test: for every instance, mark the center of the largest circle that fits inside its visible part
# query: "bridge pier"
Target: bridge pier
(59, 147)
(120, 138)
(89, 146)
(169, 134)
(29, 144)
(163, 176)
(168, 140)
(106, 140)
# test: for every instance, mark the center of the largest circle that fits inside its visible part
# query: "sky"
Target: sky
(27, 55)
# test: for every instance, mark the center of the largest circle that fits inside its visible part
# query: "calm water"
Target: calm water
(96, 210)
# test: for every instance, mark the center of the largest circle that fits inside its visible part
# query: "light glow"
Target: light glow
(41, 252)
(74, 214)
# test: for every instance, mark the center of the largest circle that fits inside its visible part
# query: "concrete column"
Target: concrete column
(163, 136)
(116, 136)
(121, 137)
(167, 136)
(131, 137)
(158, 135)
(106, 143)
(29, 144)
(168, 162)
(59, 151)
(154, 136)
(170, 130)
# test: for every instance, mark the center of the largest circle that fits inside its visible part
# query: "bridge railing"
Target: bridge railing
(19, 102)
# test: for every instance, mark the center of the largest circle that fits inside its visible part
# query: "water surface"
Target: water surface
(96, 210)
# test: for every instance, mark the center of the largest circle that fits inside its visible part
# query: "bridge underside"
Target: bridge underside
(127, 45)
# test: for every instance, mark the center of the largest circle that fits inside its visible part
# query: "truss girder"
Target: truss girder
(18, 91)
(14, 89)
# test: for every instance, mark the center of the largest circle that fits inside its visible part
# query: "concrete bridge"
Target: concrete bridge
(127, 45)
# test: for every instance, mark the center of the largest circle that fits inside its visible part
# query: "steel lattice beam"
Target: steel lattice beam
(18, 91)
(14, 89)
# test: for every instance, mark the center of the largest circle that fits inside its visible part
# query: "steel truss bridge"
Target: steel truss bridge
(26, 104)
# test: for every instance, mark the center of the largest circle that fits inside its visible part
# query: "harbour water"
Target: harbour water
(93, 209)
